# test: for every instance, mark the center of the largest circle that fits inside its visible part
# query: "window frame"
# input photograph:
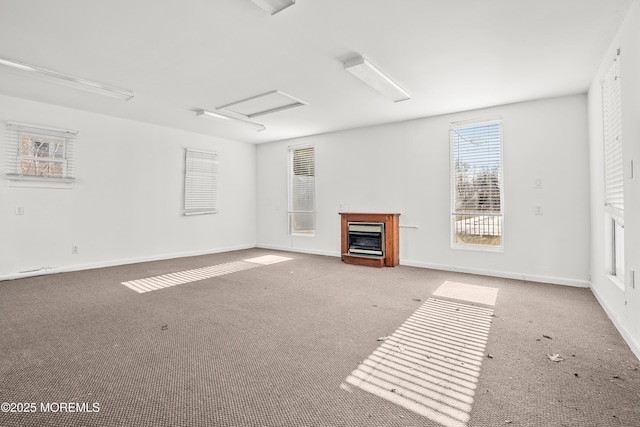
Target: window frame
(613, 173)
(487, 223)
(44, 139)
(16, 133)
(201, 170)
(292, 211)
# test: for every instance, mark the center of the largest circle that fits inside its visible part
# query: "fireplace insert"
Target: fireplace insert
(366, 238)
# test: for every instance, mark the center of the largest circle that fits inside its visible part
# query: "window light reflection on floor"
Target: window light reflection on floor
(431, 364)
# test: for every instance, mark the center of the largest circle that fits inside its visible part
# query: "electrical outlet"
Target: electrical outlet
(537, 210)
(19, 210)
(74, 249)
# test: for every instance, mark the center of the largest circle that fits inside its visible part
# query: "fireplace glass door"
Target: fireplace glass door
(366, 239)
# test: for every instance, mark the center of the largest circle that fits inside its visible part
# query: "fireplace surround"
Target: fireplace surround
(370, 239)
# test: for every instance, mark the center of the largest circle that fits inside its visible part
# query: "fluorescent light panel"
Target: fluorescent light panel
(265, 103)
(274, 6)
(375, 78)
(228, 119)
(67, 80)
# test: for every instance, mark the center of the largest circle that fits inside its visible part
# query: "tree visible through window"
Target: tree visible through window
(476, 173)
(40, 154)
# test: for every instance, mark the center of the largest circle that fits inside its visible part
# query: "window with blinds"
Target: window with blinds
(302, 191)
(476, 183)
(200, 182)
(613, 168)
(39, 154)
(612, 128)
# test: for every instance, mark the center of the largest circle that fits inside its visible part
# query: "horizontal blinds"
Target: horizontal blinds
(612, 128)
(302, 190)
(477, 167)
(39, 152)
(302, 180)
(200, 188)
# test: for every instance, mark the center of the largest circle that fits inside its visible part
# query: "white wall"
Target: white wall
(622, 305)
(404, 167)
(126, 204)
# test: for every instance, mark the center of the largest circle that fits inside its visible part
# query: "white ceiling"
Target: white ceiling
(179, 56)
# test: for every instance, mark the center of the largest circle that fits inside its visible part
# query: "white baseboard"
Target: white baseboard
(115, 262)
(302, 251)
(503, 274)
(409, 263)
(620, 325)
(506, 275)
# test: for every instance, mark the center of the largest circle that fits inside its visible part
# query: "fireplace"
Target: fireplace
(370, 239)
(366, 239)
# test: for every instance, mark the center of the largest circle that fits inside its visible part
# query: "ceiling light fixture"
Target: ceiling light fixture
(66, 80)
(375, 78)
(228, 119)
(274, 6)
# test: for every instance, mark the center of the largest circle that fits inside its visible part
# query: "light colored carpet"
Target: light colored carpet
(272, 346)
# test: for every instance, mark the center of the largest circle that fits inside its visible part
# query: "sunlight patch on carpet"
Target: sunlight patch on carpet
(268, 259)
(431, 364)
(465, 292)
(188, 276)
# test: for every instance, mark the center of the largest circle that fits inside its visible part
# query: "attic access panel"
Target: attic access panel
(265, 103)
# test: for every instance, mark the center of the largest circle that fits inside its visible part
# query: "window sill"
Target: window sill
(482, 248)
(201, 213)
(614, 279)
(39, 182)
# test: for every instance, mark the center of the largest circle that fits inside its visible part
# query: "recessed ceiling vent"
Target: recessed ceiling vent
(260, 105)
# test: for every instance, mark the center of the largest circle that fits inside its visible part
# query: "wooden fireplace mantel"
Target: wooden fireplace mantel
(391, 222)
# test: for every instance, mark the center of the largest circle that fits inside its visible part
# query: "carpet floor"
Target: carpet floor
(220, 340)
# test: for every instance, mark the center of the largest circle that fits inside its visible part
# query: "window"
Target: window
(613, 171)
(40, 154)
(476, 183)
(302, 191)
(200, 182)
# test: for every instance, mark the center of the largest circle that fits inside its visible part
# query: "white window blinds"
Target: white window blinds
(200, 183)
(476, 175)
(612, 128)
(302, 190)
(39, 153)
(613, 169)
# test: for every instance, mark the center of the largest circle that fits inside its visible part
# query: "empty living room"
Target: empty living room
(320, 213)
